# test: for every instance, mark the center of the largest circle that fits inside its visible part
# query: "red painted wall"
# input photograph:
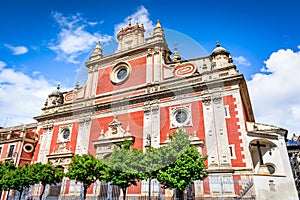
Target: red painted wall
(71, 145)
(233, 133)
(135, 120)
(38, 145)
(197, 121)
(136, 77)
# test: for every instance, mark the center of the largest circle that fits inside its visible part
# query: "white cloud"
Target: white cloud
(17, 50)
(2, 65)
(275, 95)
(73, 40)
(21, 96)
(141, 16)
(241, 60)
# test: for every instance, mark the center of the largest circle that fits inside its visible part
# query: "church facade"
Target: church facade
(144, 92)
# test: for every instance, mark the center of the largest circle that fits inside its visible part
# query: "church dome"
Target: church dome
(219, 50)
(56, 92)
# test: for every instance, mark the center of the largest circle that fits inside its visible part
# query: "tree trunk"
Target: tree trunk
(124, 193)
(180, 195)
(20, 196)
(84, 191)
(42, 192)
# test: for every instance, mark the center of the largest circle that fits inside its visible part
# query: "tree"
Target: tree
(155, 159)
(5, 168)
(20, 178)
(189, 166)
(47, 174)
(85, 169)
(123, 168)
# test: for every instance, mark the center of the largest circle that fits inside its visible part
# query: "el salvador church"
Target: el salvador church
(144, 92)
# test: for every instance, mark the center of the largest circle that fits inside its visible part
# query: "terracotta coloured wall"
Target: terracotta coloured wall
(69, 145)
(38, 145)
(135, 120)
(136, 77)
(197, 121)
(233, 131)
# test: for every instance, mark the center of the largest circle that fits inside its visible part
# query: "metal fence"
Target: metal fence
(220, 188)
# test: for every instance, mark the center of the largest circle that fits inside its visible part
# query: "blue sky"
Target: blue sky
(43, 43)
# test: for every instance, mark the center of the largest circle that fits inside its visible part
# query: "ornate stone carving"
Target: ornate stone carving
(155, 109)
(147, 111)
(115, 130)
(149, 52)
(206, 100)
(106, 141)
(217, 98)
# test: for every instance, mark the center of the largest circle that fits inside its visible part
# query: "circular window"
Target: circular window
(271, 168)
(119, 73)
(28, 148)
(66, 133)
(181, 116)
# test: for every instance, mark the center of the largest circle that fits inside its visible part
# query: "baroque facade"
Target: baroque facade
(144, 92)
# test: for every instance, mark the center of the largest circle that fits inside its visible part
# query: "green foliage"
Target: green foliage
(188, 167)
(5, 169)
(123, 167)
(125, 144)
(47, 174)
(157, 158)
(85, 169)
(20, 178)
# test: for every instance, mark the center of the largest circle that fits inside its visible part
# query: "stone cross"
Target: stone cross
(258, 145)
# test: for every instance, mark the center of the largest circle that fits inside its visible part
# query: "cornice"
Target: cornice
(136, 50)
(167, 88)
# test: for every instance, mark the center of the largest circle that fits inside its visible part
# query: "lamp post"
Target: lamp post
(147, 146)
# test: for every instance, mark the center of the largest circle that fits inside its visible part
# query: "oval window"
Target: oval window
(66, 133)
(28, 148)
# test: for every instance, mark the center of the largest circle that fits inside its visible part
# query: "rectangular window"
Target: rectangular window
(11, 151)
(232, 151)
(226, 110)
(0, 151)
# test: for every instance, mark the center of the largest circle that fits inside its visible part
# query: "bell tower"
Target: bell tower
(130, 36)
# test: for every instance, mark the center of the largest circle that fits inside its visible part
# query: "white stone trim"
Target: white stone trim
(117, 68)
(28, 145)
(62, 129)
(173, 111)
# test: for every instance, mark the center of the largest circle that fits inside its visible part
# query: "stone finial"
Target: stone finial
(97, 53)
(76, 87)
(129, 21)
(158, 25)
(218, 44)
(158, 34)
(176, 56)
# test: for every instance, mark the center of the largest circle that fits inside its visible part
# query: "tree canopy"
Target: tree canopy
(5, 168)
(47, 174)
(20, 178)
(85, 169)
(188, 164)
(123, 167)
